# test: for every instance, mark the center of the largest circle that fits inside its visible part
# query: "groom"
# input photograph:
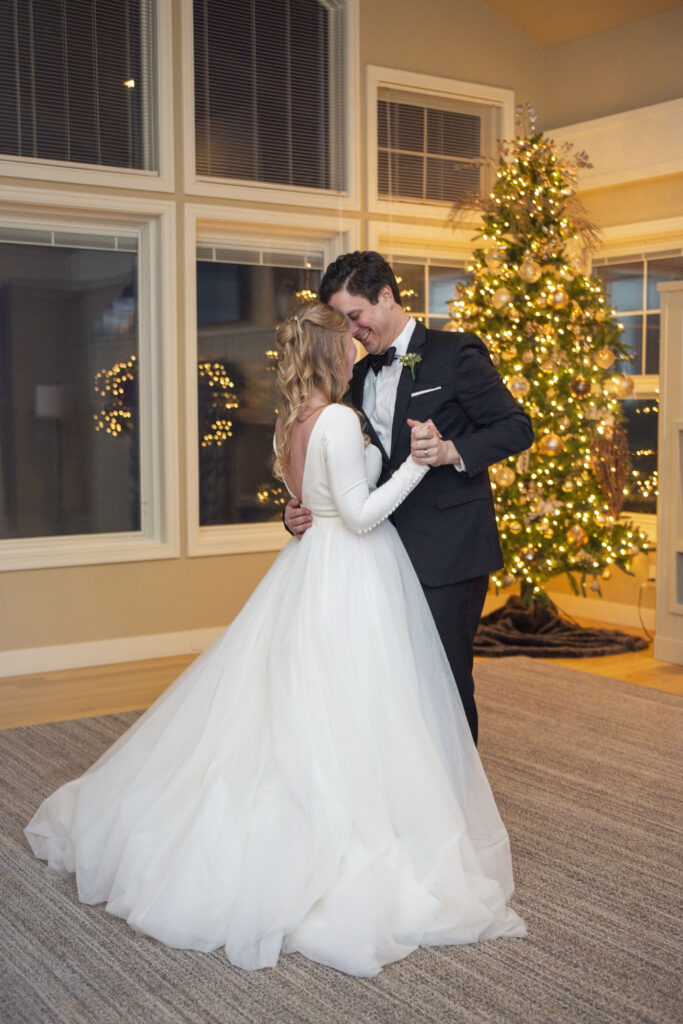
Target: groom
(447, 524)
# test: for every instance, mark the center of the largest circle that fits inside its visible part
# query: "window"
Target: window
(430, 148)
(69, 348)
(426, 288)
(631, 287)
(269, 88)
(87, 387)
(76, 81)
(432, 140)
(241, 295)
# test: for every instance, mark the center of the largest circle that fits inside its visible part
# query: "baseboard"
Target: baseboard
(669, 649)
(604, 611)
(34, 660)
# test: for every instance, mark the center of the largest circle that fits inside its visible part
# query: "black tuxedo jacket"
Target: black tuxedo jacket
(448, 524)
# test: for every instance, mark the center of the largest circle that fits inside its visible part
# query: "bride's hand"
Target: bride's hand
(428, 447)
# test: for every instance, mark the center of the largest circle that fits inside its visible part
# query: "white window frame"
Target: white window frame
(427, 85)
(632, 242)
(271, 192)
(154, 223)
(73, 173)
(241, 229)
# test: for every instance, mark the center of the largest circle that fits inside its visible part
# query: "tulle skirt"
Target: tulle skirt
(309, 783)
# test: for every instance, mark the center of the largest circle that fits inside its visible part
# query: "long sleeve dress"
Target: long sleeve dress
(309, 783)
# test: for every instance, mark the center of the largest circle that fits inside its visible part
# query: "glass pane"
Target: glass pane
(442, 282)
(400, 175)
(632, 337)
(411, 283)
(69, 416)
(652, 343)
(448, 180)
(658, 271)
(76, 80)
(258, 68)
(238, 307)
(439, 323)
(453, 134)
(400, 126)
(623, 284)
(641, 430)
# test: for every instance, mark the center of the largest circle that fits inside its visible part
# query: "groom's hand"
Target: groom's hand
(428, 447)
(297, 518)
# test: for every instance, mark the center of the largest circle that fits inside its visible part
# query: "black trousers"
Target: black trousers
(457, 609)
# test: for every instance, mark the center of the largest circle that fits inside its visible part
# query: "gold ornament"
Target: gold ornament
(568, 484)
(518, 385)
(579, 387)
(604, 358)
(530, 271)
(635, 550)
(508, 580)
(624, 387)
(606, 574)
(550, 444)
(559, 298)
(501, 297)
(528, 555)
(504, 476)
(514, 526)
(509, 353)
(600, 316)
(527, 356)
(495, 258)
(565, 423)
(595, 585)
(551, 394)
(576, 534)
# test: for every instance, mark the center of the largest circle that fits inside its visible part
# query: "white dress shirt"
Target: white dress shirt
(379, 393)
(379, 390)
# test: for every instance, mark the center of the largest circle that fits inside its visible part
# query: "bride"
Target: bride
(309, 783)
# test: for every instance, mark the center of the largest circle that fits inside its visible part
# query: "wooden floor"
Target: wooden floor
(106, 689)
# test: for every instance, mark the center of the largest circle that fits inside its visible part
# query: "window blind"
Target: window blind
(269, 91)
(76, 81)
(430, 147)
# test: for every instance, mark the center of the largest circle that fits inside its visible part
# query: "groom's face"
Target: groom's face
(373, 324)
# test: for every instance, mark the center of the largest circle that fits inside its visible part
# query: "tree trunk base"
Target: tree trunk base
(539, 631)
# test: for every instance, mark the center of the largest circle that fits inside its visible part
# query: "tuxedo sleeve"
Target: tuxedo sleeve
(501, 426)
(360, 508)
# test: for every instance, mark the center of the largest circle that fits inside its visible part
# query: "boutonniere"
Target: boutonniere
(411, 359)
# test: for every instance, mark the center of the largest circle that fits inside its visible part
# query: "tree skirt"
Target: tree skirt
(540, 632)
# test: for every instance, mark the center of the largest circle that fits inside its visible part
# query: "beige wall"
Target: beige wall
(463, 40)
(634, 65)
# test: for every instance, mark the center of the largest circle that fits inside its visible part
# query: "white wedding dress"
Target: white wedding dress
(309, 783)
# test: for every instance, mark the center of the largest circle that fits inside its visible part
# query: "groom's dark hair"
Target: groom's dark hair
(361, 273)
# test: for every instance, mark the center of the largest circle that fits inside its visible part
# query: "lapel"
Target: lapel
(360, 371)
(406, 385)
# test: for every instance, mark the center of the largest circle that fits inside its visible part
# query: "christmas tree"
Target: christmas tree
(555, 341)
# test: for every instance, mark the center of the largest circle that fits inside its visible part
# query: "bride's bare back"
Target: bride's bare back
(301, 433)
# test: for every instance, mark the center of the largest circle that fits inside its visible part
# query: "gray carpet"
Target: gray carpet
(587, 776)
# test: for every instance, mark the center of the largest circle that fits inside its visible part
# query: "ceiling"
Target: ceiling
(549, 22)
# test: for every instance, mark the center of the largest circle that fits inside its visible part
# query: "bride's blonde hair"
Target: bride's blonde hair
(312, 344)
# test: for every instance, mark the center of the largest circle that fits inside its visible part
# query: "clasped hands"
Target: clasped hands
(427, 447)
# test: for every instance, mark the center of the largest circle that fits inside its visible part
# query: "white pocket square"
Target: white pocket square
(426, 391)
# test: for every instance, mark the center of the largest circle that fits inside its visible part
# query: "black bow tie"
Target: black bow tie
(382, 359)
